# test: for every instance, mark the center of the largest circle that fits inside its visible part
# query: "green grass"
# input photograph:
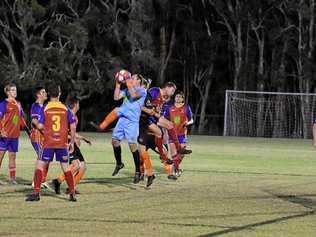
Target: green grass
(230, 187)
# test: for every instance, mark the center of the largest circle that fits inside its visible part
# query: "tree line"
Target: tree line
(204, 46)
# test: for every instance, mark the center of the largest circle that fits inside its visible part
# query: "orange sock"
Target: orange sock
(110, 118)
(147, 163)
(168, 169)
(142, 167)
(61, 178)
(79, 175)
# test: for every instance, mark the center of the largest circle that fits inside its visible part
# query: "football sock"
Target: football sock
(117, 154)
(12, 172)
(136, 161)
(70, 181)
(168, 169)
(159, 144)
(38, 177)
(110, 118)
(147, 162)
(173, 135)
(79, 175)
(61, 178)
(176, 160)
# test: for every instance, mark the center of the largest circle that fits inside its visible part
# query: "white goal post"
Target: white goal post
(269, 114)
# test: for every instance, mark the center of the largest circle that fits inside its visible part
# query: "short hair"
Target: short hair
(37, 90)
(8, 87)
(71, 101)
(53, 90)
(170, 84)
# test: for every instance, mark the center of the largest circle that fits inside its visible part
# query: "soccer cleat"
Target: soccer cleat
(136, 178)
(34, 197)
(178, 172)
(72, 197)
(150, 180)
(117, 169)
(172, 177)
(184, 151)
(56, 186)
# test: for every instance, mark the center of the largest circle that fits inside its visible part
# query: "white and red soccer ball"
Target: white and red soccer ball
(122, 76)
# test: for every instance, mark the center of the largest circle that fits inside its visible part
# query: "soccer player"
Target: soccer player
(180, 114)
(128, 123)
(77, 162)
(36, 134)
(55, 121)
(146, 141)
(160, 98)
(11, 119)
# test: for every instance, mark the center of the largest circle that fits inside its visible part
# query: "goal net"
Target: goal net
(269, 114)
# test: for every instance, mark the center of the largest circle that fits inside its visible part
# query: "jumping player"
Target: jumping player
(128, 123)
(180, 114)
(55, 121)
(77, 162)
(11, 119)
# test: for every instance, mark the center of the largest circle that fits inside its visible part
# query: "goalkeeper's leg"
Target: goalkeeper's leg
(110, 118)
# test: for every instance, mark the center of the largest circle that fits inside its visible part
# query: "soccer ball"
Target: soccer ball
(122, 76)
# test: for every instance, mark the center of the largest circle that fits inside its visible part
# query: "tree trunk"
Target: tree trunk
(203, 120)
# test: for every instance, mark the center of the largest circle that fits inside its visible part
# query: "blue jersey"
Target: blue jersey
(131, 108)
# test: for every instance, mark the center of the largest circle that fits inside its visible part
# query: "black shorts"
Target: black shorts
(76, 155)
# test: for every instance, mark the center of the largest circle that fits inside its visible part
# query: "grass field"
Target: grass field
(230, 187)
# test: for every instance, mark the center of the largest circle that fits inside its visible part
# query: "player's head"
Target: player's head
(10, 90)
(40, 93)
(53, 90)
(73, 103)
(139, 80)
(170, 88)
(179, 97)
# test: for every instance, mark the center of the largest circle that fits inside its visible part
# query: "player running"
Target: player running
(128, 123)
(77, 162)
(55, 122)
(11, 120)
(180, 114)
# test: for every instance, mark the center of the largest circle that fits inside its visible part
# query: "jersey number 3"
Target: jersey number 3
(56, 123)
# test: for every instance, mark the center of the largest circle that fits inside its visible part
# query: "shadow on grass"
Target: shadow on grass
(247, 173)
(258, 224)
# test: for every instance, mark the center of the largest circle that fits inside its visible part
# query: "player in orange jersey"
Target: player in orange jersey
(11, 117)
(77, 162)
(55, 122)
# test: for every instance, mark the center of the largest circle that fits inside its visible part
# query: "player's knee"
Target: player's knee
(115, 143)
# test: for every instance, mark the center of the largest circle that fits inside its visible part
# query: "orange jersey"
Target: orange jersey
(56, 120)
(11, 114)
